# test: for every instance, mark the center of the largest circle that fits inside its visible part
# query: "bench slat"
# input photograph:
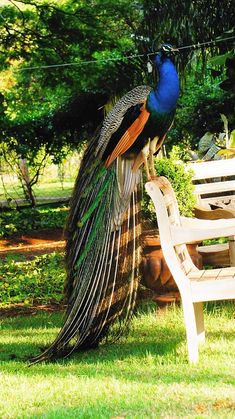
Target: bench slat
(211, 169)
(215, 187)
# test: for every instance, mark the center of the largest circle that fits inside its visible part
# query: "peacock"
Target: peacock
(103, 233)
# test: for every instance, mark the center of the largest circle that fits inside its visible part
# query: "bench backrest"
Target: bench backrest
(214, 182)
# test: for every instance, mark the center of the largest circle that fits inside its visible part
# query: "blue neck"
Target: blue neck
(164, 97)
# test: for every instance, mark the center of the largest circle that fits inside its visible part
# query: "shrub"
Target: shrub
(28, 219)
(38, 281)
(181, 180)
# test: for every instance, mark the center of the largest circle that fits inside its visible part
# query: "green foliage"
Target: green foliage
(25, 220)
(232, 139)
(28, 174)
(184, 23)
(203, 100)
(221, 59)
(40, 34)
(65, 33)
(35, 104)
(220, 144)
(220, 240)
(181, 180)
(198, 109)
(29, 282)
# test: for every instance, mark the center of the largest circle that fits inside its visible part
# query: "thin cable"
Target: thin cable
(205, 44)
(128, 57)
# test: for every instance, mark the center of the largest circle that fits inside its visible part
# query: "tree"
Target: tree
(36, 34)
(45, 107)
(28, 175)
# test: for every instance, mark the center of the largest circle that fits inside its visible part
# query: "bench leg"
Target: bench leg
(199, 316)
(232, 250)
(194, 324)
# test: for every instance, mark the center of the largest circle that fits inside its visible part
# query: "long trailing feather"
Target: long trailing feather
(102, 254)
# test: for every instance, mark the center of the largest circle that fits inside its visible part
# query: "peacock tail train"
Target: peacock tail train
(102, 254)
(103, 247)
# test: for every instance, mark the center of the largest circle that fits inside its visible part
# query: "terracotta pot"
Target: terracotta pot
(155, 273)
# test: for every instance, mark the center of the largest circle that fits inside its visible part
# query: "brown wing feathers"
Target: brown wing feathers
(129, 136)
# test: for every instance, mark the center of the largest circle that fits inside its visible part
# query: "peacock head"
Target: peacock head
(166, 51)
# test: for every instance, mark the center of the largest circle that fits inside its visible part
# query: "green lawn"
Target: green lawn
(43, 190)
(145, 375)
(54, 189)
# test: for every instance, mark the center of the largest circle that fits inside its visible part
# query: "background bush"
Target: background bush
(28, 219)
(181, 180)
(38, 281)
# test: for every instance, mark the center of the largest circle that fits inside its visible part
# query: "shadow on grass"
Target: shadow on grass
(23, 349)
(24, 337)
(156, 343)
(135, 362)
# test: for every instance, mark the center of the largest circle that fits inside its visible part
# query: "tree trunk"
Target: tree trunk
(26, 183)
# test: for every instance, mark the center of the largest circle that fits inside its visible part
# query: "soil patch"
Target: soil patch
(22, 310)
(34, 243)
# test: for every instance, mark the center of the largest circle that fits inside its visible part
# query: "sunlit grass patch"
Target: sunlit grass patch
(143, 375)
(42, 190)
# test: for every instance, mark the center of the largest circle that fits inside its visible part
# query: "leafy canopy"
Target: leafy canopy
(41, 33)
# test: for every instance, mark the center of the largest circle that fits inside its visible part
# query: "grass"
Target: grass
(43, 190)
(145, 375)
(54, 189)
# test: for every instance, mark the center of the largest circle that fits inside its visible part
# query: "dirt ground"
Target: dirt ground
(33, 244)
(46, 241)
(21, 310)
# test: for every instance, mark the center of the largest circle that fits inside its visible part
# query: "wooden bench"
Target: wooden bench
(215, 193)
(195, 285)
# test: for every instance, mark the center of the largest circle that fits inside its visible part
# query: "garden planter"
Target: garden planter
(155, 273)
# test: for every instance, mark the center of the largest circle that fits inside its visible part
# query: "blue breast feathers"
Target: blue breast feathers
(164, 98)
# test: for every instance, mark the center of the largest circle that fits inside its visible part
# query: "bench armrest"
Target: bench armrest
(195, 230)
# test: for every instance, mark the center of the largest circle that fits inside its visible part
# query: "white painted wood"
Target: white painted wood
(198, 310)
(182, 235)
(213, 290)
(212, 169)
(191, 330)
(232, 250)
(213, 248)
(215, 187)
(195, 286)
(207, 224)
(219, 191)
